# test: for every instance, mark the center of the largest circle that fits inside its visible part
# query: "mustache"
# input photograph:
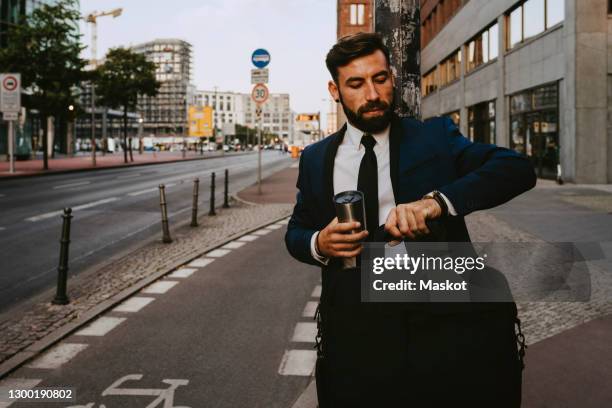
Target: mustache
(374, 105)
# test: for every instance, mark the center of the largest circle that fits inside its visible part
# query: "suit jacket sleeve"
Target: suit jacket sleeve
(301, 226)
(488, 175)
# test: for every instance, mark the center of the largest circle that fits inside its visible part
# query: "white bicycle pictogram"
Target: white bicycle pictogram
(165, 395)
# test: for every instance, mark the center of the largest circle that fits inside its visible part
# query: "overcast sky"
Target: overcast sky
(224, 33)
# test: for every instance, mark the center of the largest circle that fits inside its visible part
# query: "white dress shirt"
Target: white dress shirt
(346, 172)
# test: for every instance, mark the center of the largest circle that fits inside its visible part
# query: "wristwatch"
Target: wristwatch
(436, 195)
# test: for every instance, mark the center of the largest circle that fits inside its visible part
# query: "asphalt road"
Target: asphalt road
(113, 210)
(216, 338)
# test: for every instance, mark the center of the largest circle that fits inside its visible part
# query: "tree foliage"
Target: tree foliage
(45, 48)
(122, 77)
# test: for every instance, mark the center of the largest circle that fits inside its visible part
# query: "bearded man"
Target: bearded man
(381, 355)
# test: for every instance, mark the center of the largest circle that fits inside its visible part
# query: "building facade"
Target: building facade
(353, 16)
(227, 106)
(531, 75)
(166, 113)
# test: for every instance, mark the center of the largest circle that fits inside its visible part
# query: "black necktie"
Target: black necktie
(367, 182)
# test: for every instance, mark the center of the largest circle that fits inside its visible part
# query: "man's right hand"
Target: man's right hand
(338, 240)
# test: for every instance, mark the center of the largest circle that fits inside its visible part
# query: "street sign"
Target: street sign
(10, 92)
(260, 58)
(260, 93)
(260, 76)
(10, 115)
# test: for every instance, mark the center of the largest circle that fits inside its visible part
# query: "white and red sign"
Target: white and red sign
(10, 93)
(260, 93)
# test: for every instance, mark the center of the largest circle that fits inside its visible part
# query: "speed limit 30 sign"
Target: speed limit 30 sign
(260, 93)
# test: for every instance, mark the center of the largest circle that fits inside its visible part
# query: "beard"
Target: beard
(370, 125)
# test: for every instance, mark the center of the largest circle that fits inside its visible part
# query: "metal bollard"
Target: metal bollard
(194, 207)
(225, 193)
(166, 239)
(61, 298)
(212, 195)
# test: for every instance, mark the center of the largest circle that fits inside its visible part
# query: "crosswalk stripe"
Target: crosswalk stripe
(310, 309)
(133, 304)
(182, 273)
(316, 292)
(159, 288)
(274, 226)
(298, 362)
(248, 238)
(200, 262)
(101, 326)
(218, 253)
(233, 245)
(262, 232)
(304, 332)
(57, 356)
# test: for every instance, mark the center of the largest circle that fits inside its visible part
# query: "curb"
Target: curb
(46, 342)
(124, 165)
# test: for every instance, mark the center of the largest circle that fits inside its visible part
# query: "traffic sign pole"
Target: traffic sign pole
(259, 150)
(11, 145)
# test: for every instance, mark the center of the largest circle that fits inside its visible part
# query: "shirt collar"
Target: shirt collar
(353, 136)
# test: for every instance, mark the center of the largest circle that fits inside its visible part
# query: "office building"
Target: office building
(166, 113)
(531, 75)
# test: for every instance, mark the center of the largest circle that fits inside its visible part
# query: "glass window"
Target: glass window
(516, 27)
(357, 14)
(494, 41)
(485, 46)
(533, 17)
(555, 12)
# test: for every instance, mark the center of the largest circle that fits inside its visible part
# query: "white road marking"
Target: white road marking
(310, 309)
(298, 362)
(295, 165)
(101, 326)
(159, 288)
(218, 253)
(248, 238)
(2, 228)
(304, 332)
(15, 384)
(182, 273)
(129, 176)
(316, 292)
(275, 226)
(284, 222)
(2, 195)
(57, 356)
(263, 231)
(233, 245)
(200, 262)
(133, 304)
(150, 190)
(80, 183)
(77, 208)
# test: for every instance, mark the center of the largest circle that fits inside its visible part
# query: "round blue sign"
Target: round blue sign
(260, 58)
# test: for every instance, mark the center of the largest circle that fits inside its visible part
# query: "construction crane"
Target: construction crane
(92, 18)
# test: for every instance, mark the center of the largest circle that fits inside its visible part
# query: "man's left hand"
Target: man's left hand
(408, 220)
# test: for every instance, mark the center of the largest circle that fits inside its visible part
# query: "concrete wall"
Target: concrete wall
(590, 91)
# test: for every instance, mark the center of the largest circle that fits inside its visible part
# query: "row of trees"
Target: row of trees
(45, 47)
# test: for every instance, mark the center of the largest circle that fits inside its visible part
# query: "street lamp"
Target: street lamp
(140, 145)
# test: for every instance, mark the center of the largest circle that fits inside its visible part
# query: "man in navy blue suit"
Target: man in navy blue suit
(388, 355)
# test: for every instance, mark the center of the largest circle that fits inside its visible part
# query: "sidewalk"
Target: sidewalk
(84, 162)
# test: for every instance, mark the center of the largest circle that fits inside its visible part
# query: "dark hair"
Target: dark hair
(353, 46)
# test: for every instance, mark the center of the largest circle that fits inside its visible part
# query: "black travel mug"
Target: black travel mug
(350, 207)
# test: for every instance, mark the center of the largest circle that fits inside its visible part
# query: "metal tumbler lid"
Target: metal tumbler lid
(348, 197)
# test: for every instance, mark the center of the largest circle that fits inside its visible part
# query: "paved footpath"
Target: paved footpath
(110, 160)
